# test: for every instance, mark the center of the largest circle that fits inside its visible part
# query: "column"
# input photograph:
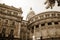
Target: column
(40, 29)
(26, 35)
(34, 33)
(31, 32)
(34, 29)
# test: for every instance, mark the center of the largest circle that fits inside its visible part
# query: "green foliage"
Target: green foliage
(51, 3)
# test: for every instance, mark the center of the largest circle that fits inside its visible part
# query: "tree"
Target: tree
(51, 3)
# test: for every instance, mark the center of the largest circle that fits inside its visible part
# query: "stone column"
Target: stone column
(19, 30)
(34, 29)
(26, 35)
(34, 33)
(40, 30)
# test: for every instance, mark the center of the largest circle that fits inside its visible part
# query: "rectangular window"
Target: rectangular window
(6, 21)
(15, 13)
(58, 14)
(55, 22)
(42, 24)
(49, 23)
(9, 12)
(53, 14)
(37, 26)
(32, 29)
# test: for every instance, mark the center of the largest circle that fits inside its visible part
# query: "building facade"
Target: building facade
(10, 21)
(45, 26)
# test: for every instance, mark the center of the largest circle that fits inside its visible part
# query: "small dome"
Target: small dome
(30, 14)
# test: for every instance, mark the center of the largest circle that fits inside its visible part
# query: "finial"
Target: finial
(31, 8)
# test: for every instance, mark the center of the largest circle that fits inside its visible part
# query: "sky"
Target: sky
(37, 6)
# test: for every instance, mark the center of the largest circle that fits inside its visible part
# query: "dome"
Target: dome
(30, 14)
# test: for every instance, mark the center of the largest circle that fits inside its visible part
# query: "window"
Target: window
(47, 15)
(3, 9)
(58, 14)
(6, 21)
(55, 22)
(3, 30)
(12, 31)
(0, 19)
(15, 13)
(12, 24)
(42, 24)
(31, 20)
(41, 16)
(53, 14)
(49, 23)
(9, 12)
(37, 26)
(32, 29)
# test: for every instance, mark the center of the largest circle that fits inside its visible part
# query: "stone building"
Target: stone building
(10, 20)
(23, 30)
(45, 25)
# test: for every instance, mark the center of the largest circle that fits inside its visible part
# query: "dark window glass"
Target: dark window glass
(55, 22)
(58, 14)
(6, 21)
(53, 14)
(42, 24)
(15, 13)
(32, 29)
(47, 15)
(49, 23)
(37, 26)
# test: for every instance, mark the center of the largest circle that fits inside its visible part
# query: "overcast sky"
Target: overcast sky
(37, 6)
